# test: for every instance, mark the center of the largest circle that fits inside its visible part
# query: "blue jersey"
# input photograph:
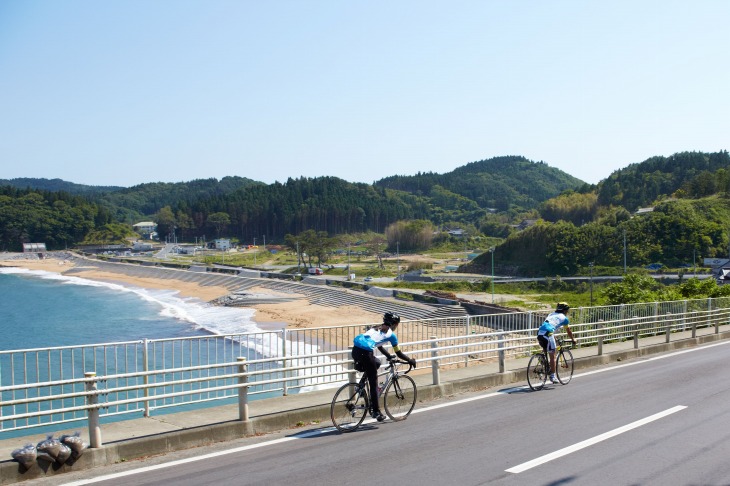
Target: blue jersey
(553, 322)
(374, 337)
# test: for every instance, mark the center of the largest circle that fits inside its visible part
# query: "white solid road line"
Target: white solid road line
(648, 360)
(594, 440)
(330, 429)
(194, 459)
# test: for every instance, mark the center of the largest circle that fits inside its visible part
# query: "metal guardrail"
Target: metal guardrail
(41, 387)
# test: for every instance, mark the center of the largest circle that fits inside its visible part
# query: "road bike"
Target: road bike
(351, 403)
(538, 368)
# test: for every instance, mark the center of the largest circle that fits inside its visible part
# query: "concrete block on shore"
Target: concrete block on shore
(379, 292)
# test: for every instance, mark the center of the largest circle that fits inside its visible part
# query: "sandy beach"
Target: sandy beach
(296, 313)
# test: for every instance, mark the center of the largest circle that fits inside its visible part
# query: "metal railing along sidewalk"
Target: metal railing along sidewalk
(146, 436)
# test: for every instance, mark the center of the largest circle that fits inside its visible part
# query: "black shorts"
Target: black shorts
(364, 359)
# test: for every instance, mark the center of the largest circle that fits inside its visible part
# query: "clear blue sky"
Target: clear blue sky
(126, 92)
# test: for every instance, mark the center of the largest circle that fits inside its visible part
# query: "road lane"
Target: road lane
(479, 436)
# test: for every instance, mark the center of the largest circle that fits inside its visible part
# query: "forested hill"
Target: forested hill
(56, 185)
(147, 199)
(500, 183)
(695, 173)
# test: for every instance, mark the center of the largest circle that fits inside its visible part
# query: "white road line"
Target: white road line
(197, 458)
(648, 360)
(330, 429)
(594, 440)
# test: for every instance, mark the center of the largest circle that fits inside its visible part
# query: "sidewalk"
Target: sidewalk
(131, 439)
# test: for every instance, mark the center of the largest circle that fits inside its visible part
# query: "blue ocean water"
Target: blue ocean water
(44, 309)
(41, 309)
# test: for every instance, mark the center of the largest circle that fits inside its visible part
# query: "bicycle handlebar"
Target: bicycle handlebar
(399, 361)
(561, 343)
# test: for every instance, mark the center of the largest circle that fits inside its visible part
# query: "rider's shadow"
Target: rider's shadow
(325, 432)
(524, 389)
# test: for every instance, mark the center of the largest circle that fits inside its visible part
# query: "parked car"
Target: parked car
(368, 279)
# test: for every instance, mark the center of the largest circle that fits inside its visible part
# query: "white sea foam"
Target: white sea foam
(214, 319)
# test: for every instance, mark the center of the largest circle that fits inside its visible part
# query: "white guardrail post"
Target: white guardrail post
(242, 390)
(146, 379)
(500, 353)
(284, 362)
(93, 413)
(599, 327)
(351, 372)
(669, 327)
(436, 378)
(469, 332)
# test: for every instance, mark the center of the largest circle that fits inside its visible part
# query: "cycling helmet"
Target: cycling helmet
(391, 318)
(562, 307)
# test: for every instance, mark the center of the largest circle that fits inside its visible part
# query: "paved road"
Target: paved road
(655, 421)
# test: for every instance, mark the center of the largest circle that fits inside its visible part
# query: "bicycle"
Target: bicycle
(351, 402)
(538, 368)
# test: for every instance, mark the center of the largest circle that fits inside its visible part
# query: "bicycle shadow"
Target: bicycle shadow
(525, 389)
(332, 430)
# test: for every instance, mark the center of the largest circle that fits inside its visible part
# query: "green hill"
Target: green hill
(501, 183)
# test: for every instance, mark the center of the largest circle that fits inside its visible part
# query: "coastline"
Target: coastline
(298, 313)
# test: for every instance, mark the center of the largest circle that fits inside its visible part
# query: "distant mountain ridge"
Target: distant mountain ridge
(486, 197)
(499, 183)
(43, 184)
(640, 184)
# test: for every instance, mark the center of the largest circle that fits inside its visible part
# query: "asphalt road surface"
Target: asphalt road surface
(663, 420)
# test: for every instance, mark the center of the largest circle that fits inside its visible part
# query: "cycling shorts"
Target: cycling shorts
(547, 342)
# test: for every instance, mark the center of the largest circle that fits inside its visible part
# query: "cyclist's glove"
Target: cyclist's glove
(412, 362)
(389, 356)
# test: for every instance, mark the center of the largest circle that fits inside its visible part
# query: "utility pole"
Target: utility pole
(624, 251)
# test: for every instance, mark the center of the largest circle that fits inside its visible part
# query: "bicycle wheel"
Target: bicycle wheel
(349, 407)
(537, 371)
(564, 365)
(399, 397)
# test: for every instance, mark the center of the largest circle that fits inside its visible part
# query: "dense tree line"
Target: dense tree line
(500, 183)
(641, 184)
(676, 232)
(325, 204)
(578, 224)
(643, 288)
(57, 219)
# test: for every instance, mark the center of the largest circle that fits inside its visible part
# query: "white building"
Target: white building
(145, 227)
(222, 244)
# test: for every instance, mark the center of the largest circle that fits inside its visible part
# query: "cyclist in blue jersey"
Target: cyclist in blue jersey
(365, 360)
(553, 322)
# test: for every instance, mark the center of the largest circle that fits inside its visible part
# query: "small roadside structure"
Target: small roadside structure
(145, 228)
(641, 211)
(37, 248)
(222, 244)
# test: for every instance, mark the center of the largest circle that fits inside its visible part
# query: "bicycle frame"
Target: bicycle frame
(389, 372)
(352, 400)
(537, 374)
